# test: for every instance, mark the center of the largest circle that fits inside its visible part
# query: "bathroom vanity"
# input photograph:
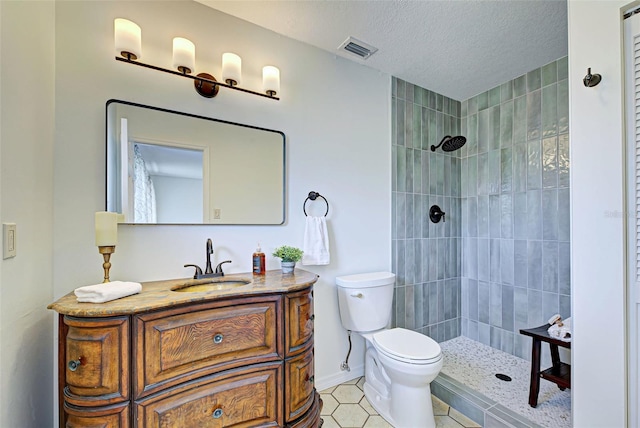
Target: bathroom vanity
(239, 353)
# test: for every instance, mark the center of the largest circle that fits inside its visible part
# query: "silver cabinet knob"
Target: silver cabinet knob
(217, 413)
(218, 338)
(74, 364)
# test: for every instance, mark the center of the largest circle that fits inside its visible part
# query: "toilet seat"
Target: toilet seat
(407, 346)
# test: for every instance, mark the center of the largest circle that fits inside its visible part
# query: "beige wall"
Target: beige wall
(26, 198)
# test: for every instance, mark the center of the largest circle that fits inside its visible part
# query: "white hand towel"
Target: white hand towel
(562, 332)
(316, 242)
(107, 291)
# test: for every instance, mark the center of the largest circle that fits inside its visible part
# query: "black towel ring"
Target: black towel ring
(313, 196)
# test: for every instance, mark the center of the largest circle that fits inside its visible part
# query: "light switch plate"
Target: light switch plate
(9, 240)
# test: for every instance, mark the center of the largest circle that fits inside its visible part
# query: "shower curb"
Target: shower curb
(476, 406)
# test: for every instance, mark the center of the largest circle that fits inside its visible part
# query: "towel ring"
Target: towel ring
(313, 196)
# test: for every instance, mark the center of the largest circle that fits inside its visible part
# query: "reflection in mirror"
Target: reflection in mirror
(167, 167)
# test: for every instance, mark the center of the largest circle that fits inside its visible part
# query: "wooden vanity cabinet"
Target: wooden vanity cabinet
(240, 361)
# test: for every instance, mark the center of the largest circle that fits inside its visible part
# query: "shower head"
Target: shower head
(449, 143)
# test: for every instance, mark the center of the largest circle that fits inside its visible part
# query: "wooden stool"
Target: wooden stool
(559, 373)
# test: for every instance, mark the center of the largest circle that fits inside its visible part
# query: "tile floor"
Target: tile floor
(345, 406)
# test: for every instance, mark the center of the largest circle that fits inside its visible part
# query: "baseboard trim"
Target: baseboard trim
(338, 378)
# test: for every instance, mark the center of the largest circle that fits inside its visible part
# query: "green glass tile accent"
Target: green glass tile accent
(550, 73)
(549, 111)
(401, 168)
(433, 130)
(417, 126)
(425, 97)
(494, 127)
(473, 105)
(519, 120)
(563, 107)
(401, 89)
(424, 138)
(409, 91)
(534, 114)
(417, 171)
(394, 86)
(472, 135)
(409, 170)
(563, 160)
(494, 96)
(563, 68)
(533, 80)
(464, 132)
(400, 122)
(519, 86)
(483, 101)
(417, 95)
(439, 102)
(408, 124)
(506, 91)
(463, 108)
(446, 125)
(483, 131)
(550, 162)
(432, 100)
(394, 171)
(506, 124)
(394, 121)
(446, 105)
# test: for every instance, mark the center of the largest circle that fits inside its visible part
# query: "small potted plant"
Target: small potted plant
(289, 256)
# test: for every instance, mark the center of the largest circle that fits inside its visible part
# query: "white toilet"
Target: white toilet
(399, 364)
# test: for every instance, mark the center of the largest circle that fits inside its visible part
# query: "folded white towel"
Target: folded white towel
(316, 242)
(107, 291)
(562, 332)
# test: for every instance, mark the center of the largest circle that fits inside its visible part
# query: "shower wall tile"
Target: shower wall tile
(506, 123)
(550, 73)
(494, 128)
(501, 261)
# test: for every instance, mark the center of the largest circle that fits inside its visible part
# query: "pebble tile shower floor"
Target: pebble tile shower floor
(474, 365)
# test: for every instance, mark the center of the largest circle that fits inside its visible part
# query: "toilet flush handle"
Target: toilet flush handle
(359, 295)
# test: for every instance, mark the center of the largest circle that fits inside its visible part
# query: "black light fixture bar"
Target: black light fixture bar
(196, 78)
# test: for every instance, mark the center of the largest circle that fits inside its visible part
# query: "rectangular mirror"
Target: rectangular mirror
(168, 167)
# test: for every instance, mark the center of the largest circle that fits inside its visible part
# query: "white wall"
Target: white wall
(334, 112)
(597, 240)
(26, 171)
(178, 200)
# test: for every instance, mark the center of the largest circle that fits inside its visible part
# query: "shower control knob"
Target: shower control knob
(435, 214)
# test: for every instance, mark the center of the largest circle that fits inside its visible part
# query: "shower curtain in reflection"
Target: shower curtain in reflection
(144, 194)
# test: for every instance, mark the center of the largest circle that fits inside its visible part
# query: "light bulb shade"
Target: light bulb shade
(271, 80)
(106, 229)
(231, 68)
(128, 38)
(184, 55)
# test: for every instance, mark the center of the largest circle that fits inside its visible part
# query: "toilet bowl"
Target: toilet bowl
(400, 364)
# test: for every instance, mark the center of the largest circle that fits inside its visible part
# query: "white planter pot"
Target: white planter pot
(287, 267)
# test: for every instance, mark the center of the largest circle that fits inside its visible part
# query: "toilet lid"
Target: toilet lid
(403, 344)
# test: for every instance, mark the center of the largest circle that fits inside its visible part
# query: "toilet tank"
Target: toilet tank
(365, 300)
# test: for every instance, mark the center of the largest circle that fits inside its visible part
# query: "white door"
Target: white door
(632, 101)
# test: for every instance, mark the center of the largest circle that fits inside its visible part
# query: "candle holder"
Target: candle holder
(106, 252)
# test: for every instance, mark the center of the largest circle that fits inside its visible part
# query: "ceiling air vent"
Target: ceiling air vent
(356, 47)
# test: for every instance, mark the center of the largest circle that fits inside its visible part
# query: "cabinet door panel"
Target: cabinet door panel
(97, 366)
(299, 385)
(243, 398)
(183, 346)
(299, 308)
(116, 416)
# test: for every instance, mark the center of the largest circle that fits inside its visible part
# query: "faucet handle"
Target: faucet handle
(219, 267)
(198, 271)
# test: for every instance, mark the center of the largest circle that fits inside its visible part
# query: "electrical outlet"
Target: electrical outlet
(216, 214)
(9, 240)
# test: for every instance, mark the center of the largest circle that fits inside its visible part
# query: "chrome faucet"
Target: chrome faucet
(208, 271)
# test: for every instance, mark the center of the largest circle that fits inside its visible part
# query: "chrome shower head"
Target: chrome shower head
(449, 143)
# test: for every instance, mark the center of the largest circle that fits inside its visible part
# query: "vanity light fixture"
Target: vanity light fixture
(128, 36)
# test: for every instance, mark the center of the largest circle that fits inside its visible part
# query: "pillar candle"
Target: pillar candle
(106, 229)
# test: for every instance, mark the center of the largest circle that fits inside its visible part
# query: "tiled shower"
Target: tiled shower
(500, 261)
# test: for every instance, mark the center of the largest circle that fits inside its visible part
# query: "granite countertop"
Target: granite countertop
(160, 295)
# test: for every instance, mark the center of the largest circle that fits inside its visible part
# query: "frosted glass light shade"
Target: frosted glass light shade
(128, 38)
(231, 68)
(271, 80)
(106, 229)
(184, 55)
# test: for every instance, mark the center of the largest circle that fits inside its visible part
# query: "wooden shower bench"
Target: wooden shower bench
(559, 373)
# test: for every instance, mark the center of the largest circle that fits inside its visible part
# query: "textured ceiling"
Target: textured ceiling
(456, 48)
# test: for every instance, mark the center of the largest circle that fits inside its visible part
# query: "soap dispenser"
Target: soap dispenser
(258, 262)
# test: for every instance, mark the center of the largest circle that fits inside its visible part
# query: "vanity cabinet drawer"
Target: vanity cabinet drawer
(299, 310)
(96, 366)
(115, 416)
(239, 398)
(299, 385)
(177, 346)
